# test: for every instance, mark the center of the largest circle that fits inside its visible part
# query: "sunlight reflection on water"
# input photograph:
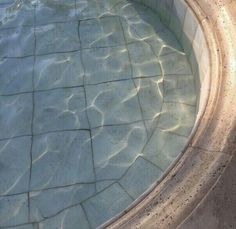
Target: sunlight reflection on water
(97, 99)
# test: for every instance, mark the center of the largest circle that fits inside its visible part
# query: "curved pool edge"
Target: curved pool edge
(213, 142)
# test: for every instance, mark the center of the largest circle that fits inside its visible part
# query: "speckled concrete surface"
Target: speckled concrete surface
(218, 209)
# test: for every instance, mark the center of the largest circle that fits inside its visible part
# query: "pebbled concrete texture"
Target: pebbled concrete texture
(218, 209)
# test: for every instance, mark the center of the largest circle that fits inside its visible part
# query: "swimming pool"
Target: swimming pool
(97, 101)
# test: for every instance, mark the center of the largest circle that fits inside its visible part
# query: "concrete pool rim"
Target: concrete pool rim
(211, 146)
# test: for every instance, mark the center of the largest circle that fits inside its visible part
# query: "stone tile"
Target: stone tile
(190, 25)
(179, 9)
(47, 203)
(175, 64)
(59, 37)
(163, 148)
(143, 29)
(199, 43)
(151, 126)
(17, 79)
(106, 204)
(62, 158)
(24, 226)
(86, 9)
(101, 185)
(49, 11)
(58, 70)
(112, 103)
(106, 64)
(169, 40)
(141, 175)
(7, 1)
(126, 11)
(69, 218)
(105, 7)
(136, 29)
(115, 149)
(149, 16)
(180, 89)
(164, 8)
(151, 3)
(156, 44)
(15, 165)
(141, 24)
(143, 60)
(60, 109)
(102, 32)
(17, 42)
(16, 115)
(13, 210)
(177, 118)
(17, 13)
(150, 93)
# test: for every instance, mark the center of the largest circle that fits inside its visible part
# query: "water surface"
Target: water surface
(97, 100)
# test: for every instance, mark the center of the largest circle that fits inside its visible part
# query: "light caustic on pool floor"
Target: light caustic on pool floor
(97, 99)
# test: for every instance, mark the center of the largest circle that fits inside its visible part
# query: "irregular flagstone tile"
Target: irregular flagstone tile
(86, 9)
(163, 147)
(150, 93)
(59, 37)
(106, 204)
(17, 79)
(166, 50)
(112, 103)
(175, 64)
(102, 32)
(141, 22)
(140, 176)
(125, 10)
(58, 70)
(62, 158)
(25, 226)
(180, 89)
(17, 42)
(49, 11)
(106, 64)
(137, 30)
(116, 148)
(143, 60)
(151, 126)
(17, 13)
(170, 40)
(149, 16)
(13, 210)
(16, 115)
(156, 44)
(106, 6)
(47, 203)
(177, 118)
(60, 109)
(144, 34)
(7, 1)
(70, 218)
(101, 185)
(14, 165)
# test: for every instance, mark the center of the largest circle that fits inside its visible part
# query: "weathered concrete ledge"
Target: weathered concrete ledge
(212, 145)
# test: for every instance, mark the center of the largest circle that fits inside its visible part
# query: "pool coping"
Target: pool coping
(212, 144)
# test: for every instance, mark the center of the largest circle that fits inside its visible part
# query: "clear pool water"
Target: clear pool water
(97, 100)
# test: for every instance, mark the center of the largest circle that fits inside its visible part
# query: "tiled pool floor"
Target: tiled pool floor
(97, 99)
